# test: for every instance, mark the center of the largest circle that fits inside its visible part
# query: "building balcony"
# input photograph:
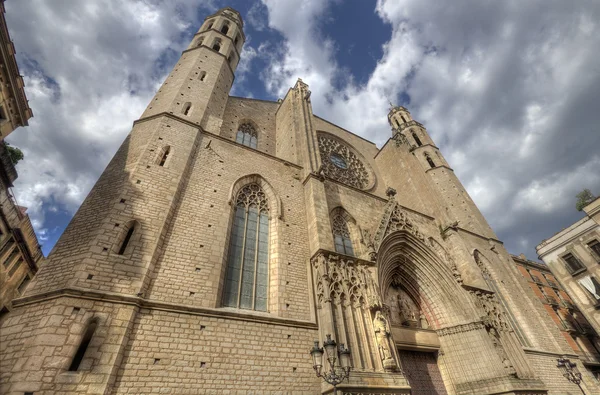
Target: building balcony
(536, 279)
(552, 283)
(552, 300)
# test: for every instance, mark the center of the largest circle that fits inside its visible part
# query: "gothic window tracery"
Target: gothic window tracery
(246, 285)
(343, 165)
(341, 234)
(247, 135)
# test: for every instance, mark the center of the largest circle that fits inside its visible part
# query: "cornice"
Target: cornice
(111, 297)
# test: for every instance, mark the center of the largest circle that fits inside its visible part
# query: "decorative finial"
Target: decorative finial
(390, 192)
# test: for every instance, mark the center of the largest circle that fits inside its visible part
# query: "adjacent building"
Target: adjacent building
(579, 334)
(20, 253)
(573, 255)
(228, 233)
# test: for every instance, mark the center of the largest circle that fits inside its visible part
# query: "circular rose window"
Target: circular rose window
(342, 164)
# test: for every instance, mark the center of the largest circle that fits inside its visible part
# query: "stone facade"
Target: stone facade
(206, 260)
(20, 252)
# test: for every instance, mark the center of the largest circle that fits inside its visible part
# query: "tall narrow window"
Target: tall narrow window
(341, 235)
(403, 120)
(417, 140)
(126, 240)
(217, 45)
(246, 285)
(573, 264)
(397, 123)
(83, 346)
(430, 161)
(247, 135)
(202, 75)
(225, 28)
(231, 59)
(186, 108)
(210, 25)
(164, 155)
(237, 39)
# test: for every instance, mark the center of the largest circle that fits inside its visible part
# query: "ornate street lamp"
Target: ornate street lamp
(335, 374)
(570, 371)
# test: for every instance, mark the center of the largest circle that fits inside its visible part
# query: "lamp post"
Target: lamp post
(335, 374)
(569, 371)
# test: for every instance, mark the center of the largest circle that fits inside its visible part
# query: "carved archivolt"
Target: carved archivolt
(344, 281)
(343, 165)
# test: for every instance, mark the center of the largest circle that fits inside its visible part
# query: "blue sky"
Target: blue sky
(508, 90)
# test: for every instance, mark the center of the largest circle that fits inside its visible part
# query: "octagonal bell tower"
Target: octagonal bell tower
(198, 86)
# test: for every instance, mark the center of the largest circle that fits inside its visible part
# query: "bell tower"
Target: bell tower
(198, 86)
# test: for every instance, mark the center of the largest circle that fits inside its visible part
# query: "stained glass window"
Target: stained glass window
(247, 135)
(341, 235)
(247, 279)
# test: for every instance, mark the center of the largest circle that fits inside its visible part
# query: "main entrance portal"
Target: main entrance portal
(421, 370)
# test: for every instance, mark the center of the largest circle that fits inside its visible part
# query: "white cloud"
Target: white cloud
(507, 90)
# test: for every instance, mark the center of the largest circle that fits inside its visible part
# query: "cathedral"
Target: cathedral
(228, 235)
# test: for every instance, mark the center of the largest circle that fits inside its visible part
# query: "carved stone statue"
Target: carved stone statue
(382, 334)
(423, 321)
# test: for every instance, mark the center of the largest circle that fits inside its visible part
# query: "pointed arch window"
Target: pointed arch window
(417, 140)
(129, 232)
(341, 235)
(217, 45)
(225, 28)
(83, 346)
(430, 161)
(200, 41)
(246, 285)
(187, 107)
(247, 135)
(164, 155)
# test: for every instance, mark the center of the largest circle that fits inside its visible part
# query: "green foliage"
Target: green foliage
(584, 198)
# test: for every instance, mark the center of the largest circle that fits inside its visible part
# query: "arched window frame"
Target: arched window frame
(128, 238)
(200, 41)
(217, 44)
(186, 109)
(416, 138)
(276, 264)
(164, 156)
(84, 344)
(344, 232)
(247, 134)
(247, 275)
(225, 28)
(210, 25)
(429, 160)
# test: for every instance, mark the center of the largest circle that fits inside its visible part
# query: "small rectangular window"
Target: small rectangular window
(573, 264)
(595, 247)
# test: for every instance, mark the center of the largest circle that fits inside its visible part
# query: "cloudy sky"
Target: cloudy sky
(509, 90)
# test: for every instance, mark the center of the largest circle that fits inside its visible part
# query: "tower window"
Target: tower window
(83, 346)
(164, 155)
(247, 135)
(341, 235)
(225, 28)
(231, 59)
(186, 108)
(403, 119)
(210, 25)
(200, 41)
(246, 285)
(202, 75)
(237, 39)
(430, 161)
(397, 123)
(217, 45)
(417, 140)
(127, 234)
